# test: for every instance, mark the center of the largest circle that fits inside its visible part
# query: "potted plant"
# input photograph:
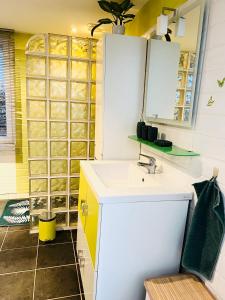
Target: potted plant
(119, 15)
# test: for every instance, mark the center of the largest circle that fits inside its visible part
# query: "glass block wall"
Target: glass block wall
(61, 122)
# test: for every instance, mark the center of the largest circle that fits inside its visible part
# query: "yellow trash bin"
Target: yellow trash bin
(47, 226)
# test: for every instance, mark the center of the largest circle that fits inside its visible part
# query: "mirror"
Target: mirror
(173, 70)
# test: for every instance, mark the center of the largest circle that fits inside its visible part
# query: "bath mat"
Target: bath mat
(16, 212)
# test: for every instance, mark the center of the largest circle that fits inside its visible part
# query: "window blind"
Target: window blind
(7, 73)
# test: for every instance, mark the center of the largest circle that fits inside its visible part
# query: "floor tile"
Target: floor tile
(17, 260)
(19, 227)
(78, 297)
(74, 235)
(56, 282)
(61, 237)
(17, 286)
(19, 239)
(2, 234)
(55, 255)
(3, 228)
(80, 280)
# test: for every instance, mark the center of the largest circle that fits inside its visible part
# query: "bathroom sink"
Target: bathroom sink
(114, 180)
(124, 175)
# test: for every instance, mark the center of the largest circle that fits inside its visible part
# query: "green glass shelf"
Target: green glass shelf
(174, 150)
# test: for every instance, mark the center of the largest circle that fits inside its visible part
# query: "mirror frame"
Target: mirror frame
(200, 50)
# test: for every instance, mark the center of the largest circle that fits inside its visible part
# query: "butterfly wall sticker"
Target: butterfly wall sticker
(210, 101)
(221, 82)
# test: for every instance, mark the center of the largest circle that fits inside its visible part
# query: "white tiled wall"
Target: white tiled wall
(7, 173)
(208, 136)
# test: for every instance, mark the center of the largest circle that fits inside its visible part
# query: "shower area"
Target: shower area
(60, 76)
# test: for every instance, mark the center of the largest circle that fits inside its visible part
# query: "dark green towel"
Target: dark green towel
(205, 235)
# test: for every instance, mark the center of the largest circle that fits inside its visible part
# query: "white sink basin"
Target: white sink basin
(117, 180)
(124, 174)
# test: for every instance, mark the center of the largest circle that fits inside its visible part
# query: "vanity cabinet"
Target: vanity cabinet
(121, 242)
(120, 74)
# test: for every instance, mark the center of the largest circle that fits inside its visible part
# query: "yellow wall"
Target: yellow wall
(22, 184)
(146, 17)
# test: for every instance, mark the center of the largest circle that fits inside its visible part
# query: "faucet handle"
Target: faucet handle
(152, 160)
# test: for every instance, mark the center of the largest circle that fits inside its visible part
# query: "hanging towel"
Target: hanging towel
(205, 235)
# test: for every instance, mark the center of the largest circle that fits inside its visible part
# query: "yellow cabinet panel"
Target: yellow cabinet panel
(82, 198)
(91, 228)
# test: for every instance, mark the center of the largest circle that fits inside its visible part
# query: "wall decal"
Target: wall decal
(210, 101)
(221, 82)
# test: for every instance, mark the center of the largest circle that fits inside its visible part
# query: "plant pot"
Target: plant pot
(118, 29)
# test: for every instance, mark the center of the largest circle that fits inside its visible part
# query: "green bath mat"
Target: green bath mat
(16, 212)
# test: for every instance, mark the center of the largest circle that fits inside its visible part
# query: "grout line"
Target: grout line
(4, 238)
(78, 279)
(10, 249)
(16, 272)
(18, 230)
(52, 244)
(64, 297)
(44, 268)
(35, 270)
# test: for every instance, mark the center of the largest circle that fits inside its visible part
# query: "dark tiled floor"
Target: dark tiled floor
(30, 269)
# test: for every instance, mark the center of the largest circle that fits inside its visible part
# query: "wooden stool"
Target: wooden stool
(177, 287)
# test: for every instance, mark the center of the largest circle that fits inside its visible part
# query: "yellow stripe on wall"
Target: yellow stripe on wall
(22, 183)
(146, 17)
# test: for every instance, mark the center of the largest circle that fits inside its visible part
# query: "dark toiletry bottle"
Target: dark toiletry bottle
(139, 129)
(152, 134)
(144, 132)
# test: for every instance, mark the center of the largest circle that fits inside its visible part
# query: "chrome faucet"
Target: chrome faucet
(150, 166)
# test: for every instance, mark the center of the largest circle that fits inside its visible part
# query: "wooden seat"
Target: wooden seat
(176, 287)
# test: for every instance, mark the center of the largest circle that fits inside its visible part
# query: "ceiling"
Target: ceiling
(69, 17)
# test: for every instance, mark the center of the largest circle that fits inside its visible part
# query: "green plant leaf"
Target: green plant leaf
(116, 7)
(127, 21)
(129, 6)
(105, 5)
(125, 4)
(130, 16)
(105, 21)
(101, 22)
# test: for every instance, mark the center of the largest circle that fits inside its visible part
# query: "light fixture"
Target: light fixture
(162, 25)
(74, 29)
(180, 27)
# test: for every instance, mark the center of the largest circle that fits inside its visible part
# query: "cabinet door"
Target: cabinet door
(82, 203)
(91, 226)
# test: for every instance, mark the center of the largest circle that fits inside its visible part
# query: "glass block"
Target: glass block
(36, 109)
(74, 184)
(36, 88)
(58, 89)
(36, 44)
(92, 112)
(58, 130)
(73, 219)
(61, 219)
(37, 149)
(58, 45)
(34, 221)
(79, 91)
(78, 130)
(93, 71)
(92, 131)
(39, 203)
(38, 186)
(35, 66)
(80, 48)
(58, 68)
(93, 92)
(37, 130)
(73, 202)
(93, 49)
(78, 149)
(58, 185)
(58, 167)
(75, 166)
(92, 150)
(58, 110)
(58, 202)
(38, 168)
(78, 112)
(79, 70)
(59, 149)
